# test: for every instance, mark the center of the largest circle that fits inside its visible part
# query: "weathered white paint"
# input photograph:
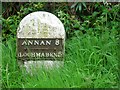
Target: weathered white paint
(41, 25)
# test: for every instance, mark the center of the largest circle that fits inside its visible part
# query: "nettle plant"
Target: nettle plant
(71, 23)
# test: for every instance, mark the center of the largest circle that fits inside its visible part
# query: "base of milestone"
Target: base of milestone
(36, 65)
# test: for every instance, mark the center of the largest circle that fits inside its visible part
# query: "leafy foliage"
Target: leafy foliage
(70, 22)
(93, 16)
(79, 6)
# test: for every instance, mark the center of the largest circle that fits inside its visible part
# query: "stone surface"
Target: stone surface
(41, 25)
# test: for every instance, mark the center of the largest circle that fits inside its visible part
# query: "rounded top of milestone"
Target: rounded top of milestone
(40, 24)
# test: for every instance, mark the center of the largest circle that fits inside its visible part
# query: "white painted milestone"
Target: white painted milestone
(40, 39)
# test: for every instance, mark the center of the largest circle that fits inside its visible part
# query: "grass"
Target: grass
(90, 62)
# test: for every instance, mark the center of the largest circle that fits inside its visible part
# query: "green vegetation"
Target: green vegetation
(90, 61)
(91, 51)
